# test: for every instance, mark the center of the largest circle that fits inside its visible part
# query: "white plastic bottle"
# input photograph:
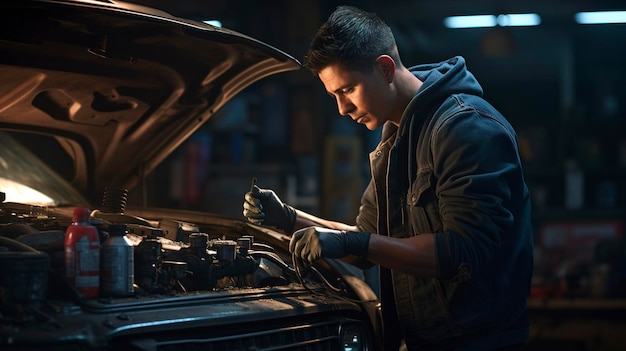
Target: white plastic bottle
(117, 263)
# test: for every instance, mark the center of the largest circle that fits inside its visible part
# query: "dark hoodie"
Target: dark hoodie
(452, 169)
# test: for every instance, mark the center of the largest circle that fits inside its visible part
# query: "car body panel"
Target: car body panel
(105, 79)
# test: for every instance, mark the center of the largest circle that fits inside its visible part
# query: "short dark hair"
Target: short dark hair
(353, 38)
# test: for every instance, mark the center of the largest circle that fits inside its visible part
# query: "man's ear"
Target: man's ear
(387, 66)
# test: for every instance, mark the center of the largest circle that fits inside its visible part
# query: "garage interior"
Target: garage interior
(559, 82)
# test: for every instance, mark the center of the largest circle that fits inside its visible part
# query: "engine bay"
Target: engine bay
(199, 282)
(172, 258)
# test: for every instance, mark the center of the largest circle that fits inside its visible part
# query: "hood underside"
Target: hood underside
(117, 86)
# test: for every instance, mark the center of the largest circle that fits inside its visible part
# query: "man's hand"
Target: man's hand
(264, 206)
(309, 244)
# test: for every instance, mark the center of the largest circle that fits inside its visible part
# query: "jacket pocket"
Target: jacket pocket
(422, 206)
(425, 313)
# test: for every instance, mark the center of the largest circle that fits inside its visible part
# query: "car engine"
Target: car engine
(212, 286)
(170, 257)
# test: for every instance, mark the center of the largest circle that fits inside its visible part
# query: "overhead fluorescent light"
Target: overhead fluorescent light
(475, 21)
(600, 17)
(504, 20)
(519, 20)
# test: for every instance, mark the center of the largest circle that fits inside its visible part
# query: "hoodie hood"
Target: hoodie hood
(440, 81)
(444, 79)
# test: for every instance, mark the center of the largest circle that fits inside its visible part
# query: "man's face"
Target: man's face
(365, 97)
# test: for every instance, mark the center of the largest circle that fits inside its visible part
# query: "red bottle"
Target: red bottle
(82, 254)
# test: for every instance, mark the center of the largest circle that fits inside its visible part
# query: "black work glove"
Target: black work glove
(309, 244)
(264, 206)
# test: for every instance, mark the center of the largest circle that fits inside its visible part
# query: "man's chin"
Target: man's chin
(371, 125)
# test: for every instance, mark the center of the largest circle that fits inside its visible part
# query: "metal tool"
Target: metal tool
(253, 183)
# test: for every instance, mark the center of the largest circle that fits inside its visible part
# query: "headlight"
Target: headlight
(354, 338)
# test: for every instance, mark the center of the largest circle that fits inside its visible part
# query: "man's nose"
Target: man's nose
(344, 105)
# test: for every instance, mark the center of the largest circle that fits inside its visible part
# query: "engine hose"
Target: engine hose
(300, 276)
(15, 245)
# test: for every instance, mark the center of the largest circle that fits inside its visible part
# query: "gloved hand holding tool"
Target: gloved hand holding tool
(264, 206)
(309, 244)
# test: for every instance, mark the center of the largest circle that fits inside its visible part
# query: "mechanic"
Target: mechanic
(446, 215)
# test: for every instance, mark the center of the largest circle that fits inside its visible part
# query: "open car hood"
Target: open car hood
(118, 86)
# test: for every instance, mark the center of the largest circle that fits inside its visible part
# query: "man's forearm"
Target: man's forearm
(416, 255)
(304, 219)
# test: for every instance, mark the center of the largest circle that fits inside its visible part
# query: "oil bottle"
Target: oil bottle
(82, 254)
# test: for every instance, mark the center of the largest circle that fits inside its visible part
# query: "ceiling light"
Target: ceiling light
(519, 19)
(600, 17)
(504, 20)
(475, 21)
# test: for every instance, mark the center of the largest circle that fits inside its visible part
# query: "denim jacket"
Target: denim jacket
(452, 170)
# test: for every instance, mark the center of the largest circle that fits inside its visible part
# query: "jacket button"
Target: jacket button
(464, 272)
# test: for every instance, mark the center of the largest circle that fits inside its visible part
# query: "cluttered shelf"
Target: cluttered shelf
(580, 324)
